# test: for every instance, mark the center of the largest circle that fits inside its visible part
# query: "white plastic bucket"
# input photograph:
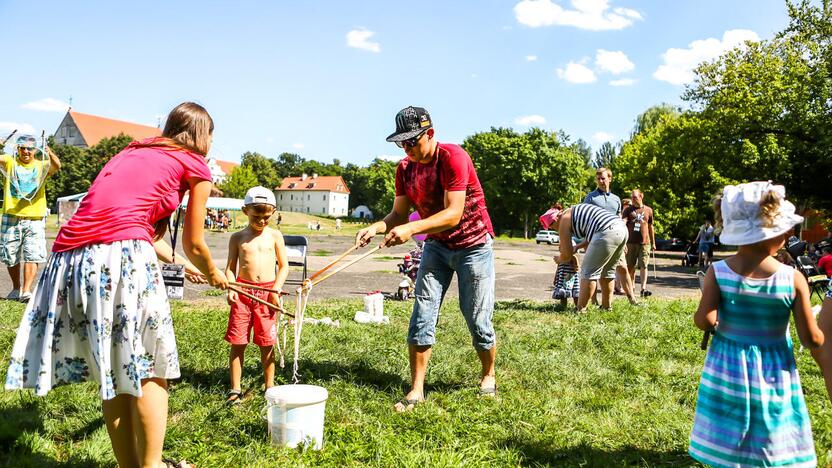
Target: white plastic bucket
(295, 415)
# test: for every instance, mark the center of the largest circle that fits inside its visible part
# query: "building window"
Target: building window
(281, 196)
(323, 210)
(293, 197)
(307, 209)
(324, 197)
(308, 197)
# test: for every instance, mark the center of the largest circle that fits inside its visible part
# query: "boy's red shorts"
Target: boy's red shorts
(247, 314)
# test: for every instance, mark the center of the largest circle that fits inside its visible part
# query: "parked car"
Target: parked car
(549, 237)
(674, 243)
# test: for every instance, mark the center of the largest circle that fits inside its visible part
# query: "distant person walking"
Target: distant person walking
(705, 239)
(641, 239)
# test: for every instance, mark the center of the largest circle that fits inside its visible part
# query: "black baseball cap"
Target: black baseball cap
(410, 121)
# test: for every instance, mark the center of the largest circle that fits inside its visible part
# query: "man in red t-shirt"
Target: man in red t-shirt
(825, 262)
(438, 180)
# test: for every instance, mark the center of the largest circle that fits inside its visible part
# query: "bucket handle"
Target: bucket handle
(283, 425)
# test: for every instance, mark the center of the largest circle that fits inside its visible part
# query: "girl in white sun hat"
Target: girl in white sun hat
(750, 410)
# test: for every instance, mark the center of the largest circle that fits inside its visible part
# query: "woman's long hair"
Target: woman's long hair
(188, 127)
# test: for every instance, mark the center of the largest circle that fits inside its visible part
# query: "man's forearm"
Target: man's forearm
(442, 221)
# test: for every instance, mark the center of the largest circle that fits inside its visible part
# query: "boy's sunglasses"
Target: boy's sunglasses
(410, 142)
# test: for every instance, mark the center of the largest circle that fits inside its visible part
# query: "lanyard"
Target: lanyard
(174, 232)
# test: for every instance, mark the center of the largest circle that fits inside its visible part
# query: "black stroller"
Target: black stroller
(798, 251)
(691, 258)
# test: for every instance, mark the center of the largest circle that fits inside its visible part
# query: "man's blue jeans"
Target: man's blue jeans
(474, 267)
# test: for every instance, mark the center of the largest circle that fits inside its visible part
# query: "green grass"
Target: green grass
(596, 389)
(321, 253)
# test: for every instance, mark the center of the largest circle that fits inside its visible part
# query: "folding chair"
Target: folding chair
(296, 250)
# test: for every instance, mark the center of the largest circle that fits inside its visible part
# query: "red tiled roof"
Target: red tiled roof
(94, 128)
(320, 183)
(227, 166)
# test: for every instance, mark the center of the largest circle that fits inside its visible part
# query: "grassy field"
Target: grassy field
(597, 389)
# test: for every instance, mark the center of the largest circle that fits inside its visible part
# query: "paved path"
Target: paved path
(524, 270)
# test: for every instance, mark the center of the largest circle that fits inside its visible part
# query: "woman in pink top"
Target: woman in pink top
(100, 310)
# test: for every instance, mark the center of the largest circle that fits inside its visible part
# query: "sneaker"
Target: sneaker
(24, 297)
(14, 295)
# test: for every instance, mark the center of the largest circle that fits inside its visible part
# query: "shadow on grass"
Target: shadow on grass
(359, 373)
(540, 454)
(534, 306)
(17, 422)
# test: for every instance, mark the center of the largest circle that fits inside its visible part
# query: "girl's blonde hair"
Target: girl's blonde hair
(769, 209)
(188, 127)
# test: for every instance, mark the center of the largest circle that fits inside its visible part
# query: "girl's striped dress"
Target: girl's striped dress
(750, 410)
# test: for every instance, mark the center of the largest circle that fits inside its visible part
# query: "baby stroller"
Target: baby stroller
(798, 251)
(691, 258)
(409, 268)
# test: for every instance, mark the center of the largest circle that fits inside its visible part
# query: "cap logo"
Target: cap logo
(424, 121)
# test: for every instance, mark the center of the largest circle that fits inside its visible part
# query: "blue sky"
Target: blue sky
(324, 79)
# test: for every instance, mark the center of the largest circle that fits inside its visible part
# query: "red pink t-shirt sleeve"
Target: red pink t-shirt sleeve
(455, 172)
(195, 167)
(400, 180)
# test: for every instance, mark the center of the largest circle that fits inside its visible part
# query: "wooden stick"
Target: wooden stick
(257, 288)
(8, 137)
(257, 299)
(318, 273)
(346, 265)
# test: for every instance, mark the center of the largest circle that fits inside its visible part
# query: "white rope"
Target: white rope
(301, 299)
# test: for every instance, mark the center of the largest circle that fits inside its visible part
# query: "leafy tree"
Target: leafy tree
(287, 165)
(523, 174)
(380, 188)
(653, 116)
(238, 182)
(605, 156)
(770, 104)
(263, 168)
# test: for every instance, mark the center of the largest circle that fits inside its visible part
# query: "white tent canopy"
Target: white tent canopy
(76, 197)
(214, 203)
(218, 203)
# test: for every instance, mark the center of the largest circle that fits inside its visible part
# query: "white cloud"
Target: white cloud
(530, 120)
(297, 145)
(679, 63)
(474, 76)
(623, 82)
(615, 62)
(22, 129)
(359, 39)
(602, 137)
(594, 15)
(531, 58)
(46, 105)
(390, 157)
(269, 139)
(576, 73)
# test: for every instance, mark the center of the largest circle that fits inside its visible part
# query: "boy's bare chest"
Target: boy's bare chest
(257, 247)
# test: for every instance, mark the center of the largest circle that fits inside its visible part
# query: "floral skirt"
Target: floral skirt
(99, 313)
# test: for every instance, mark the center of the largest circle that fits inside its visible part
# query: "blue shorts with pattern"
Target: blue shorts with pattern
(474, 268)
(23, 240)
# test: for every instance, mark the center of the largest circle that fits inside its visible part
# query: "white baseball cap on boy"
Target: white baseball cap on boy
(259, 194)
(741, 222)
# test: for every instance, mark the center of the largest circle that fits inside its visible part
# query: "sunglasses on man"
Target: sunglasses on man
(411, 142)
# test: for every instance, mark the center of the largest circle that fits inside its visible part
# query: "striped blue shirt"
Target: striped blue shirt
(588, 219)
